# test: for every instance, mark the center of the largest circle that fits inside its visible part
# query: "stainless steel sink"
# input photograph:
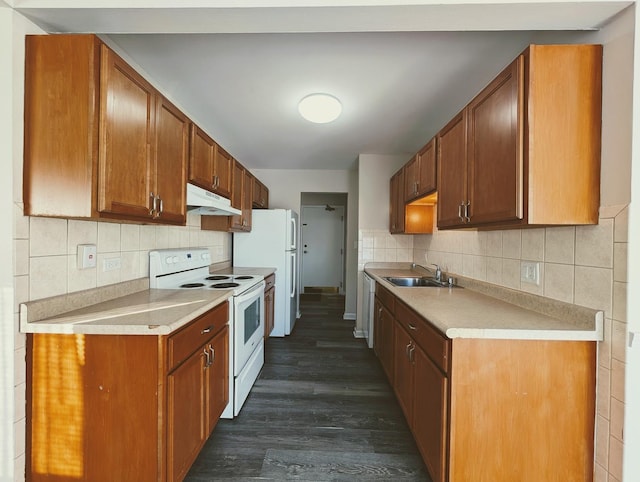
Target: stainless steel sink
(422, 281)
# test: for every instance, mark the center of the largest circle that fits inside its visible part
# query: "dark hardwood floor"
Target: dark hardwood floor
(321, 410)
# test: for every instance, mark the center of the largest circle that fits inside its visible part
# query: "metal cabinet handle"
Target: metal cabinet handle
(207, 358)
(206, 330)
(466, 212)
(161, 206)
(412, 326)
(406, 349)
(213, 353)
(152, 200)
(460, 212)
(411, 350)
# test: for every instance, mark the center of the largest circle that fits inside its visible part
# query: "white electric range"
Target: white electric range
(189, 269)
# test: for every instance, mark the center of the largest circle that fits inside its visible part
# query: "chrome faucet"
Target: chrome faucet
(438, 271)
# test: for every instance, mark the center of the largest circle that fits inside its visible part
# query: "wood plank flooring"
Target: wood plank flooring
(321, 410)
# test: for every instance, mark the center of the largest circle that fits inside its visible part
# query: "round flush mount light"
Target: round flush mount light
(320, 108)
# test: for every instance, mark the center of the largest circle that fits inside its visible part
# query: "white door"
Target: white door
(322, 246)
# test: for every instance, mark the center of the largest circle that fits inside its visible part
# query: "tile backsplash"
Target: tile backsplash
(48, 257)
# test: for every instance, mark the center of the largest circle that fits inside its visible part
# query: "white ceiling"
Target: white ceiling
(238, 68)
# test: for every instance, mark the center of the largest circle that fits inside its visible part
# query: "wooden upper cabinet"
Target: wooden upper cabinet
(92, 127)
(201, 158)
(222, 172)
(495, 150)
(172, 147)
(247, 200)
(531, 151)
(127, 131)
(235, 222)
(260, 195)
(420, 173)
(396, 203)
(210, 166)
(452, 171)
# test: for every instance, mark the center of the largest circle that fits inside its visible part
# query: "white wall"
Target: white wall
(374, 172)
(285, 187)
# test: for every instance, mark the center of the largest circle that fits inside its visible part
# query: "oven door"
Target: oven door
(249, 325)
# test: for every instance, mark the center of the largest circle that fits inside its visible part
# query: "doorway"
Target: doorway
(322, 248)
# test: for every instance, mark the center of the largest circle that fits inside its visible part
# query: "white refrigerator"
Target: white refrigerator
(273, 243)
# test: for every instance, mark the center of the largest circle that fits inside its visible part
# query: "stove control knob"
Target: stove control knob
(168, 260)
(205, 256)
(175, 259)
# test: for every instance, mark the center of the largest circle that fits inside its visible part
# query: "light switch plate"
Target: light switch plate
(86, 256)
(530, 272)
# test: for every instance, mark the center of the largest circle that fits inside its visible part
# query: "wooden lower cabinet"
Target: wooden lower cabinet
(124, 407)
(492, 409)
(269, 304)
(384, 337)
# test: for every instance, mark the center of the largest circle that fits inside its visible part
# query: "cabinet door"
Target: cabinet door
(235, 222)
(127, 121)
(269, 298)
(452, 172)
(411, 179)
(427, 169)
(387, 343)
(430, 414)
(186, 429)
(396, 203)
(172, 145)
(247, 200)
(217, 375)
(223, 172)
(403, 371)
(495, 151)
(201, 157)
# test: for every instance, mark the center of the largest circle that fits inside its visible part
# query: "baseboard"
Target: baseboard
(349, 316)
(359, 334)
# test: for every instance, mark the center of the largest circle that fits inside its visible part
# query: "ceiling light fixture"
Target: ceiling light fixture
(320, 108)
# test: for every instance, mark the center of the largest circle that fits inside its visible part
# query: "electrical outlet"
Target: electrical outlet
(530, 272)
(110, 264)
(86, 256)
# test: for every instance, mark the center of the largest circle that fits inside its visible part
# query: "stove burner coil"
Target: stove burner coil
(192, 285)
(217, 277)
(225, 285)
(243, 277)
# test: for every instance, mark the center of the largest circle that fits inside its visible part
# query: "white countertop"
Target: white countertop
(467, 313)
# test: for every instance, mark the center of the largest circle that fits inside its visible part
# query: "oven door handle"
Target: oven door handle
(247, 295)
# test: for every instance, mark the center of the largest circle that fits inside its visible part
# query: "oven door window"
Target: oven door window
(251, 319)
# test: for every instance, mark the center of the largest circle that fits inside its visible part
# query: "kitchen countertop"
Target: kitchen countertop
(467, 312)
(129, 308)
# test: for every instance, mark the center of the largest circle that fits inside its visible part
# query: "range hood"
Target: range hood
(208, 203)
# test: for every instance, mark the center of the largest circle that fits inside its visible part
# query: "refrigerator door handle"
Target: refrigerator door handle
(293, 275)
(293, 234)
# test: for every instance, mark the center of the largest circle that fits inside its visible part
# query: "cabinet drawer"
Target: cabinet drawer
(189, 338)
(270, 281)
(436, 346)
(386, 297)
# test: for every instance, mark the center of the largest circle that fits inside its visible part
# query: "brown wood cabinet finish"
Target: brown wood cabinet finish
(526, 150)
(112, 407)
(241, 198)
(210, 166)
(260, 195)
(269, 304)
(420, 173)
(396, 203)
(484, 409)
(93, 127)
